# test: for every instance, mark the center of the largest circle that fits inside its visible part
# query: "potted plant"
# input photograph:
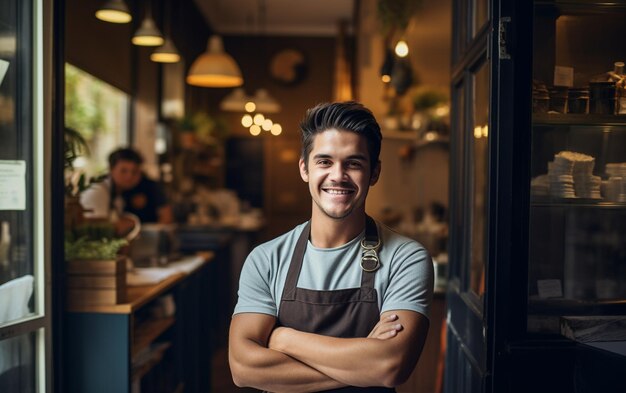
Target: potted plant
(426, 104)
(96, 272)
(187, 133)
(74, 145)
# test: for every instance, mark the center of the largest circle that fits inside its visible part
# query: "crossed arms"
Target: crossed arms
(286, 360)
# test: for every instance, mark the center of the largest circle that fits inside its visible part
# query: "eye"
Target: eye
(355, 164)
(324, 162)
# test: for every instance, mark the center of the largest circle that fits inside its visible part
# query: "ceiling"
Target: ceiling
(276, 17)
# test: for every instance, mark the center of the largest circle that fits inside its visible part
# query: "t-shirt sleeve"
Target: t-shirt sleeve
(255, 295)
(411, 280)
(96, 200)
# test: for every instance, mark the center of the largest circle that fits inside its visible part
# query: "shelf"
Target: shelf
(575, 202)
(149, 331)
(541, 119)
(560, 306)
(152, 359)
(582, 7)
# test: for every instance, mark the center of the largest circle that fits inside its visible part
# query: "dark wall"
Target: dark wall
(105, 50)
(100, 48)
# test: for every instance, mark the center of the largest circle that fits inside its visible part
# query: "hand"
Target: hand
(388, 327)
(123, 226)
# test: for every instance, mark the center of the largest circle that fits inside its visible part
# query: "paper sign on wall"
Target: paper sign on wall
(563, 76)
(12, 185)
(4, 66)
(549, 288)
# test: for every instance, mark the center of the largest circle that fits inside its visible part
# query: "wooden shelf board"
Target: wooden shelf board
(149, 331)
(145, 368)
(575, 119)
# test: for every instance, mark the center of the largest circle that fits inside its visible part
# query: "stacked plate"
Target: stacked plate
(540, 186)
(616, 185)
(560, 177)
(586, 185)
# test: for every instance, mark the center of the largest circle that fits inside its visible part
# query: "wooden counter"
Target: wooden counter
(117, 348)
(138, 296)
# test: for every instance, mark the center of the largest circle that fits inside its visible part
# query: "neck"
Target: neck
(329, 232)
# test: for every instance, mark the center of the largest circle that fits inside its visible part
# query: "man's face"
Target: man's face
(125, 175)
(338, 173)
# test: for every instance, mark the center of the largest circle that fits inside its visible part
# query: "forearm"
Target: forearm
(255, 366)
(353, 361)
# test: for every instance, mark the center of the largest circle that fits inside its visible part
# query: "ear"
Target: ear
(375, 174)
(304, 173)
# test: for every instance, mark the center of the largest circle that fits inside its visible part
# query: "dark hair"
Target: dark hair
(349, 116)
(124, 154)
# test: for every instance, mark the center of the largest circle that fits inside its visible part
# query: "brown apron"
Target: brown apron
(345, 313)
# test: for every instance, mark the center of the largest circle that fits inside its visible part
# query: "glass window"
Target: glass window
(18, 365)
(100, 113)
(24, 153)
(481, 15)
(479, 178)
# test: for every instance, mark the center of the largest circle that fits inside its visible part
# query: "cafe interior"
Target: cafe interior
(211, 93)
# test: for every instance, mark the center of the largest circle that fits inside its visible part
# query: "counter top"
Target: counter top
(138, 296)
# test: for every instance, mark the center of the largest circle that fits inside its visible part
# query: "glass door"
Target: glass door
(467, 356)
(24, 155)
(577, 212)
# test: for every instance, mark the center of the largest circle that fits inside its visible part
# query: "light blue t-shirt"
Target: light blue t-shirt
(404, 280)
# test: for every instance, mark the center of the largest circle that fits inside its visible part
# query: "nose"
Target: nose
(337, 172)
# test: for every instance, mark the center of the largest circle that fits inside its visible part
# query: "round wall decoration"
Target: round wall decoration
(288, 67)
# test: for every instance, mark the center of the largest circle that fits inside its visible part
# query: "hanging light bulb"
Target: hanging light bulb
(250, 106)
(166, 53)
(247, 121)
(255, 130)
(276, 129)
(259, 119)
(114, 11)
(215, 68)
(267, 124)
(387, 67)
(402, 48)
(148, 34)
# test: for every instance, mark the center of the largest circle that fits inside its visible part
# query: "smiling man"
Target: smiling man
(339, 303)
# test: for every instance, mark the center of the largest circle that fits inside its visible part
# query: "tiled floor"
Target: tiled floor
(222, 380)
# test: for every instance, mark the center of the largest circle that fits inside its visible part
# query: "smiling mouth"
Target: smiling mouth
(334, 191)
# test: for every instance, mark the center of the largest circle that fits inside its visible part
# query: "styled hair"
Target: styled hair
(348, 116)
(125, 154)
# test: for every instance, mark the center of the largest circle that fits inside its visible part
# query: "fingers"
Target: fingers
(386, 328)
(387, 331)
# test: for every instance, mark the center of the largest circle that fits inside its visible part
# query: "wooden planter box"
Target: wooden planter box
(96, 282)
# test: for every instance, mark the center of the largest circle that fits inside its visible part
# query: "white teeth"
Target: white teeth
(338, 192)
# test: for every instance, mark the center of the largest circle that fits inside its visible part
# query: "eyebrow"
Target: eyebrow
(359, 157)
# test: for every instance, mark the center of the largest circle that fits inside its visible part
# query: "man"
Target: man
(340, 302)
(126, 190)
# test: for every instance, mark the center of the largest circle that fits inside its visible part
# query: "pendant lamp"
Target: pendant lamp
(148, 34)
(265, 103)
(166, 53)
(114, 11)
(215, 68)
(236, 101)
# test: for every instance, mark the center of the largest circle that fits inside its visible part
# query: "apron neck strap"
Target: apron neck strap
(367, 277)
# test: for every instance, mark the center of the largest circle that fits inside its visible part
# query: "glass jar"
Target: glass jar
(558, 99)
(578, 100)
(602, 98)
